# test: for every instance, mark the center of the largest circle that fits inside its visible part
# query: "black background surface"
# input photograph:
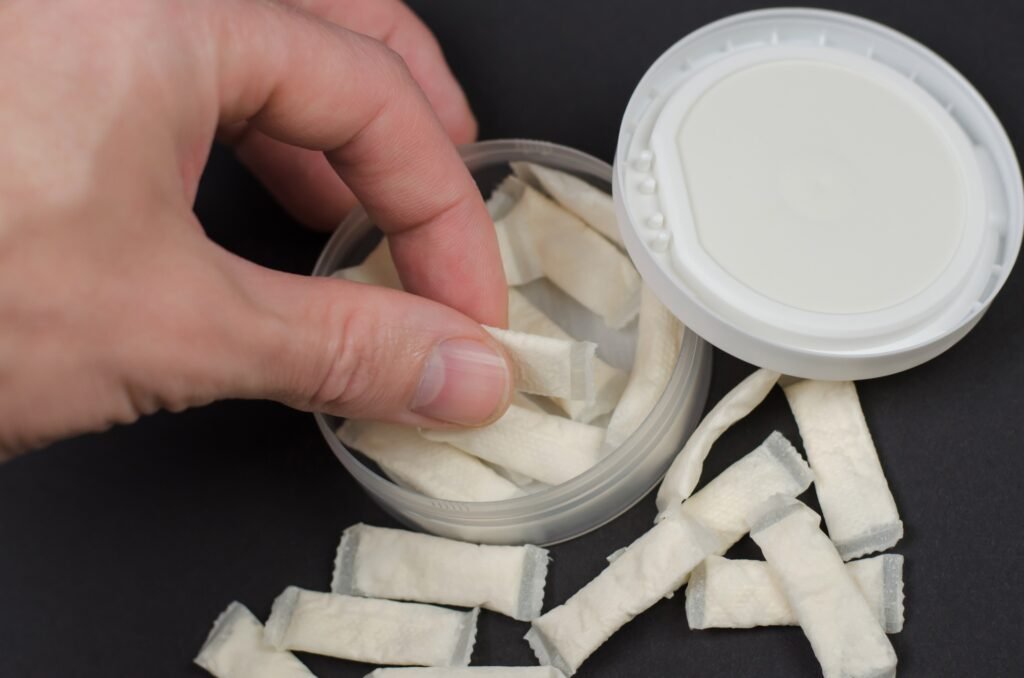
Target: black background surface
(118, 550)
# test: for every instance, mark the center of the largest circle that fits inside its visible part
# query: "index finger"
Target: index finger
(398, 27)
(311, 83)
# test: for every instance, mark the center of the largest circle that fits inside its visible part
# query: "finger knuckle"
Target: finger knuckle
(391, 62)
(351, 381)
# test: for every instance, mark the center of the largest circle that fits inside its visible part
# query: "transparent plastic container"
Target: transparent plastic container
(591, 499)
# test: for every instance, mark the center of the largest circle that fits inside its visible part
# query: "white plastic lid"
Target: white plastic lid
(816, 193)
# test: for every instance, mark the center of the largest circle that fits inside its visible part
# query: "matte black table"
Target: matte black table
(118, 550)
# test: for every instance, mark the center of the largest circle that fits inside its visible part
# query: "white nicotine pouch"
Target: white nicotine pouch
(370, 630)
(377, 269)
(881, 581)
(431, 468)
(519, 256)
(659, 337)
(724, 593)
(378, 562)
(538, 238)
(592, 205)
(684, 473)
(549, 366)
(827, 603)
(609, 381)
(723, 505)
(235, 648)
(854, 495)
(470, 672)
(541, 446)
(653, 567)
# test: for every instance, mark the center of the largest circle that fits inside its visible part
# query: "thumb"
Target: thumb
(356, 350)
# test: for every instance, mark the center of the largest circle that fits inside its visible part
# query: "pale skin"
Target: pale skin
(114, 304)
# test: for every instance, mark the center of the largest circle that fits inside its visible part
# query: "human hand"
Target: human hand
(114, 304)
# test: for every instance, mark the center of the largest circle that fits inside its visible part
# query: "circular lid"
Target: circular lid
(816, 193)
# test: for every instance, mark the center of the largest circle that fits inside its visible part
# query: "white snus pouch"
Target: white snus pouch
(377, 269)
(593, 206)
(378, 562)
(740, 594)
(235, 648)
(609, 381)
(855, 498)
(431, 468)
(470, 672)
(542, 446)
(558, 368)
(773, 467)
(653, 566)
(659, 337)
(537, 238)
(369, 630)
(829, 606)
(684, 473)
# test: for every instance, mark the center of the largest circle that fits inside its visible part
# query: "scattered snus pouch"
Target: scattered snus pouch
(470, 672)
(855, 498)
(371, 630)
(724, 593)
(652, 567)
(846, 635)
(384, 563)
(236, 648)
